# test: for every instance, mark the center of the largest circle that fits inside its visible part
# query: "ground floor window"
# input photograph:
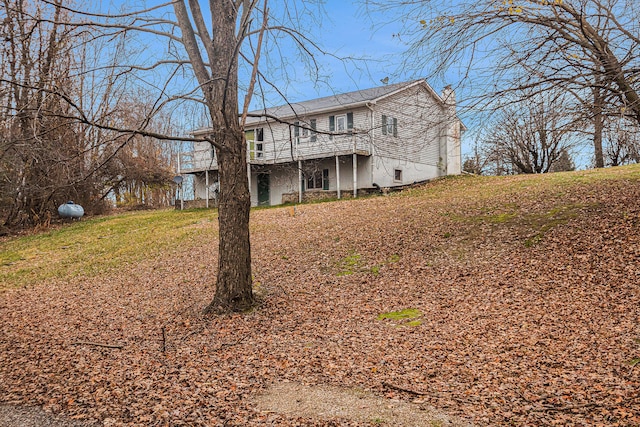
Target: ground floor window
(318, 180)
(397, 175)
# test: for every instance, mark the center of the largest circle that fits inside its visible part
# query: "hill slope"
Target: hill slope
(498, 300)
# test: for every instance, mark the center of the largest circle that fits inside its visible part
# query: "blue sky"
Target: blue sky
(345, 29)
(351, 33)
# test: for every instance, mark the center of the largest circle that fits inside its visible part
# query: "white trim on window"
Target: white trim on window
(318, 180)
(389, 125)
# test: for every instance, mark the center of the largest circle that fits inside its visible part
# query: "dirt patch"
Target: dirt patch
(17, 416)
(326, 402)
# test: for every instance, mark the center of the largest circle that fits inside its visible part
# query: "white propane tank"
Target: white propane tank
(70, 210)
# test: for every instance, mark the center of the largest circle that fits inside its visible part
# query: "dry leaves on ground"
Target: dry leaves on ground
(526, 311)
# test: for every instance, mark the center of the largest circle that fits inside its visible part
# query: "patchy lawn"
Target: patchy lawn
(486, 300)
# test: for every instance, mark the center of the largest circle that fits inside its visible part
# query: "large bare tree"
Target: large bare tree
(47, 156)
(585, 47)
(186, 52)
(208, 53)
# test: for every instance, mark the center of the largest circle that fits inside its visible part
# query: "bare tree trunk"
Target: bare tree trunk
(598, 125)
(220, 88)
(233, 288)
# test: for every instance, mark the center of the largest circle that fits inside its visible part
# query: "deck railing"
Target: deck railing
(283, 151)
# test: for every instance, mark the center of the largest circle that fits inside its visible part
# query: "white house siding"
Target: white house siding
(416, 148)
(346, 173)
(384, 172)
(426, 144)
(283, 178)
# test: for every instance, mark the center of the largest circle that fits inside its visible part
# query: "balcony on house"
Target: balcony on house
(303, 147)
(200, 159)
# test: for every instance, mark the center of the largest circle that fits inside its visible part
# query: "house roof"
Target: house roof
(333, 102)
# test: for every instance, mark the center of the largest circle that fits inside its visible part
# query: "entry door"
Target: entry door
(263, 189)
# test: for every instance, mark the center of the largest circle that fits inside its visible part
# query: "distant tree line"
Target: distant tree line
(48, 154)
(542, 135)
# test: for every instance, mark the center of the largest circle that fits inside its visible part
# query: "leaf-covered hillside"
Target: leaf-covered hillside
(495, 300)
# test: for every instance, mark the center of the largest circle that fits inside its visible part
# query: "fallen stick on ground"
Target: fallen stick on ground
(97, 344)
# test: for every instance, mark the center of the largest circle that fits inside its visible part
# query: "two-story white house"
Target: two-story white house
(383, 137)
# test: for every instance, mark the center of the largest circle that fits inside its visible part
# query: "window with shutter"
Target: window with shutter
(314, 136)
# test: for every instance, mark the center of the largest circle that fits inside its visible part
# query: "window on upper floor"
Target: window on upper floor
(305, 132)
(389, 125)
(342, 123)
(255, 140)
(314, 135)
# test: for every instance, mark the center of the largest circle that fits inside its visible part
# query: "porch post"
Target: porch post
(180, 188)
(338, 176)
(299, 181)
(248, 176)
(206, 184)
(355, 175)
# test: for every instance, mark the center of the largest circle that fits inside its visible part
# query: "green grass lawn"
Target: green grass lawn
(98, 245)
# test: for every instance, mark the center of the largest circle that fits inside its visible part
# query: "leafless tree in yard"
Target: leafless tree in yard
(587, 48)
(34, 57)
(622, 141)
(214, 58)
(532, 138)
(476, 163)
(209, 53)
